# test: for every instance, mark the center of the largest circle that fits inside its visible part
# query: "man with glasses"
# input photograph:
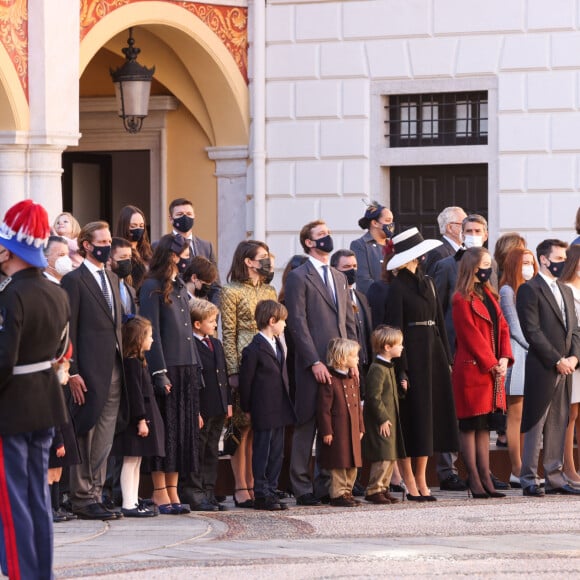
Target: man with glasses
(450, 221)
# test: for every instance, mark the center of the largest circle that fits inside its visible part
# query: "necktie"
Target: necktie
(208, 343)
(125, 298)
(327, 282)
(559, 300)
(105, 289)
(279, 352)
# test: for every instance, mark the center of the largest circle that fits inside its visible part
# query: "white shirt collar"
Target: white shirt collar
(454, 245)
(92, 268)
(549, 281)
(385, 359)
(272, 341)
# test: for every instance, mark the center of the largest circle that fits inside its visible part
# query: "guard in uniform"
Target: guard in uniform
(34, 315)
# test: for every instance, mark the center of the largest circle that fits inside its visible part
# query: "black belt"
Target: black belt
(422, 323)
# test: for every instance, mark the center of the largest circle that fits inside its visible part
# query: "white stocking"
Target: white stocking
(130, 481)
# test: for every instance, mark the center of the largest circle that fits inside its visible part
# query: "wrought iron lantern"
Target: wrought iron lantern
(132, 88)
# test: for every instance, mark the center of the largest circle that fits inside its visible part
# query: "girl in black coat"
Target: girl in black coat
(145, 435)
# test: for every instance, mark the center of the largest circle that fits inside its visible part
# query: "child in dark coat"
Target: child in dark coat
(383, 440)
(215, 405)
(265, 397)
(145, 434)
(340, 422)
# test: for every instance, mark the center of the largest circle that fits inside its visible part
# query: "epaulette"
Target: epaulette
(5, 283)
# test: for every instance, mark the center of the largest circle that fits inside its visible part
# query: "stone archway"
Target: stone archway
(201, 72)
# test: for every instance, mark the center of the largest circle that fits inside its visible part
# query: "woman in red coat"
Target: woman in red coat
(482, 356)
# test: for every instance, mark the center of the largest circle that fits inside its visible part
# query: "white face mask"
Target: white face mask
(470, 241)
(527, 271)
(63, 265)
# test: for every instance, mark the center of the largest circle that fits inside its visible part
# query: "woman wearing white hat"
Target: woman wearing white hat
(428, 411)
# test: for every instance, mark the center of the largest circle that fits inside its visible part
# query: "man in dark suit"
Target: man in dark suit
(96, 381)
(182, 216)
(319, 308)
(33, 315)
(444, 273)
(345, 261)
(450, 222)
(548, 319)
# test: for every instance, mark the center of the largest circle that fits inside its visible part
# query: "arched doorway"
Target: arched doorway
(199, 107)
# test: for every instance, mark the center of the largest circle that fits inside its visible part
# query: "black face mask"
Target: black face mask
(389, 230)
(483, 274)
(183, 224)
(265, 266)
(123, 268)
(268, 277)
(182, 264)
(101, 253)
(324, 244)
(350, 276)
(136, 234)
(203, 291)
(556, 268)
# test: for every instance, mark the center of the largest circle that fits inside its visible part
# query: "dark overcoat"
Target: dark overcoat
(313, 319)
(339, 414)
(382, 404)
(264, 391)
(476, 354)
(95, 333)
(428, 411)
(33, 314)
(550, 338)
(143, 406)
(215, 395)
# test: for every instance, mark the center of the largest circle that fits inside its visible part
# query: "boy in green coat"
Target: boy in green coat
(383, 441)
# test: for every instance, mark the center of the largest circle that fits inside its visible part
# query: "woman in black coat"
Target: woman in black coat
(428, 411)
(174, 366)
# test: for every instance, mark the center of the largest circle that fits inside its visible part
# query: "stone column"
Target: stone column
(231, 171)
(13, 177)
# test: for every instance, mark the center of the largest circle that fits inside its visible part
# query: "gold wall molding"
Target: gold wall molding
(14, 36)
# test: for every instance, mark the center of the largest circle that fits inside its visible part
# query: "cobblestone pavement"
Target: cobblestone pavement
(455, 536)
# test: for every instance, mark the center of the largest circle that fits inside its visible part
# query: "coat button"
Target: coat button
(189, 338)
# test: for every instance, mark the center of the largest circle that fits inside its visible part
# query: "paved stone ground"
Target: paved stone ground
(455, 537)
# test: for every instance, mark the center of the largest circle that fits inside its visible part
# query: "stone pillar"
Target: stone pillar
(231, 171)
(13, 177)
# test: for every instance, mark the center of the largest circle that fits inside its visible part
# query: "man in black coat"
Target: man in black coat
(548, 319)
(319, 309)
(182, 216)
(96, 381)
(33, 316)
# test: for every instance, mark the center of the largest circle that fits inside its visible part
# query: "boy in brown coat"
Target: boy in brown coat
(340, 422)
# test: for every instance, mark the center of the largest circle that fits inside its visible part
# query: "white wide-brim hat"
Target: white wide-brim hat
(409, 245)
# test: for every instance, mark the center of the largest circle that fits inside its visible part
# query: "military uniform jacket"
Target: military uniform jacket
(33, 315)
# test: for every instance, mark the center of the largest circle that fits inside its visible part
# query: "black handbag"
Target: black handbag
(231, 439)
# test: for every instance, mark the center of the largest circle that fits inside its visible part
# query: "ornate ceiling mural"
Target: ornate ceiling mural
(14, 36)
(229, 23)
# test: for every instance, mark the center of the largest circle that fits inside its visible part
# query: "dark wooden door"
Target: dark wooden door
(87, 185)
(420, 192)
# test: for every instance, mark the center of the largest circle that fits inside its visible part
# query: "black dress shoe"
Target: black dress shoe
(115, 511)
(453, 483)
(94, 511)
(58, 516)
(358, 490)
(325, 499)
(204, 506)
(308, 499)
(533, 491)
(138, 512)
(498, 483)
(267, 503)
(220, 506)
(564, 490)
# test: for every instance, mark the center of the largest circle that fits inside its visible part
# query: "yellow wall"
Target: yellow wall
(190, 173)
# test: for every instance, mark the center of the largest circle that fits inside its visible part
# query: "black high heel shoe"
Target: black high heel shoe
(419, 498)
(427, 497)
(248, 503)
(493, 493)
(471, 493)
